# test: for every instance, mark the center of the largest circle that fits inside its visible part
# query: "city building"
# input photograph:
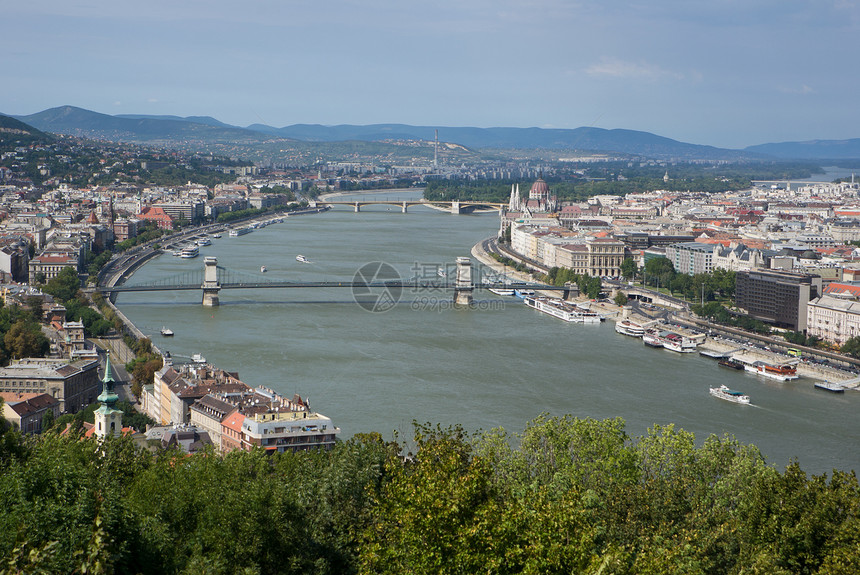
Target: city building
(74, 384)
(27, 410)
(777, 297)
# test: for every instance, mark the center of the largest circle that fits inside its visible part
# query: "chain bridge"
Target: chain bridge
(212, 278)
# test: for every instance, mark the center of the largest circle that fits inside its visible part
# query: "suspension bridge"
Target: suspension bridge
(214, 278)
(455, 206)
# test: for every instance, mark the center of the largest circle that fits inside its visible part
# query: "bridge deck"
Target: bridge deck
(330, 284)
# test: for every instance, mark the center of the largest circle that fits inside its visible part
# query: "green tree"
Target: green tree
(47, 420)
(25, 340)
(629, 268)
(620, 299)
(65, 285)
(852, 347)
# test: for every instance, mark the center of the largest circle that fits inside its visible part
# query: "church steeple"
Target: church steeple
(108, 420)
(108, 397)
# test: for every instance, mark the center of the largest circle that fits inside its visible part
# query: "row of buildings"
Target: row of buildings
(220, 409)
(788, 247)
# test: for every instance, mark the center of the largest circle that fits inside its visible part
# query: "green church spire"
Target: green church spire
(108, 397)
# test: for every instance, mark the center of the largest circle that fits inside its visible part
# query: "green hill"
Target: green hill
(16, 133)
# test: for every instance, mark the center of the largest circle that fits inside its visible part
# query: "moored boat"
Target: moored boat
(731, 363)
(652, 338)
(627, 327)
(561, 309)
(724, 392)
(783, 372)
(204, 242)
(189, 252)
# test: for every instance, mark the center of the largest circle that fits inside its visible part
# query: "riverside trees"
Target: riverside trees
(567, 495)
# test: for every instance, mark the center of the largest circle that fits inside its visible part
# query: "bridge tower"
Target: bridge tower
(463, 287)
(455, 207)
(210, 286)
(403, 208)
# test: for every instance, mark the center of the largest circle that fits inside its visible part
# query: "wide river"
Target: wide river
(498, 365)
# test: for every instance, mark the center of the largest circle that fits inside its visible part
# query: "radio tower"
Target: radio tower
(436, 152)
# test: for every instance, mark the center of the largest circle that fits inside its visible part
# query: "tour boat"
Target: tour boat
(783, 372)
(561, 309)
(724, 392)
(627, 327)
(240, 232)
(303, 259)
(197, 358)
(166, 331)
(204, 242)
(189, 252)
(652, 338)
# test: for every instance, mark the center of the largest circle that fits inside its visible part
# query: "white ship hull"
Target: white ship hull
(629, 328)
(759, 369)
(561, 309)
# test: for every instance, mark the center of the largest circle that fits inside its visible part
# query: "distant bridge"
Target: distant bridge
(214, 278)
(455, 207)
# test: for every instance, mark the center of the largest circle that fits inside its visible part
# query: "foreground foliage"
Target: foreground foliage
(575, 496)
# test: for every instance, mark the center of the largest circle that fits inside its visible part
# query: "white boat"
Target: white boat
(441, 273)
(189, 252)
(627, 327)
(263, 269)
(204, 242)
(784, 372)
(724, 392)
(561, 309)
(524, 293)
(234, 233)
(166, 331)
(216, 236)
(652, 338)
(502, 291)
(303, 259)
(197, 358)
(677, 343)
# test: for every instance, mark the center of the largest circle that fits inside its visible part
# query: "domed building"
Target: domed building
(539, 199)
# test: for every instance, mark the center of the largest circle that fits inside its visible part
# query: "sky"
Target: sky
(727, 73)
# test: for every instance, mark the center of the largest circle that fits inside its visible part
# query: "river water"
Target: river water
(498, 365)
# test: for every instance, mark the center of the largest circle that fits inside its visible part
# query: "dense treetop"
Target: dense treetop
(567, 496)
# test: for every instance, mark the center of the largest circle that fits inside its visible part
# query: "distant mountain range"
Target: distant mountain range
(164, 130)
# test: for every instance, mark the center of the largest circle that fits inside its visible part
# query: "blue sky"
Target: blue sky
(728, 73)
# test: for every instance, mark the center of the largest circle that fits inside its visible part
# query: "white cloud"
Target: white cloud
(617, 68)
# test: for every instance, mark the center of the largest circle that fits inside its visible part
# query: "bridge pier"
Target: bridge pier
(210, 286)
(357, 207)
(463, 287)
(570, 292)
(403, 209)
(455, 207)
